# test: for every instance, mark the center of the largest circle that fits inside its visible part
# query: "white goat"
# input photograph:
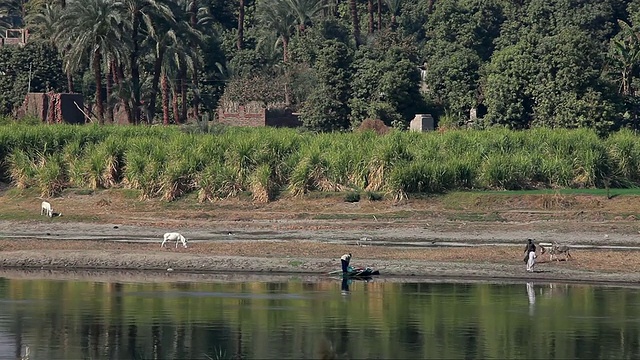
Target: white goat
(174, 236)
(46, 209)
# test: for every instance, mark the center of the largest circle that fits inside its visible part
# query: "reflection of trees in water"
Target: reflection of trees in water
(156, 347)
(463, 320)
(17, 329)
(132, 338)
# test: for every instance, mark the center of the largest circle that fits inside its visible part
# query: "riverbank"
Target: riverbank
(422, 238)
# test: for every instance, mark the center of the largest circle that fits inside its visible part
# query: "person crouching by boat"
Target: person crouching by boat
(345, 260)
(530, 251)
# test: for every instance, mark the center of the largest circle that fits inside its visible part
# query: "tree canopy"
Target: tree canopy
(515, 64)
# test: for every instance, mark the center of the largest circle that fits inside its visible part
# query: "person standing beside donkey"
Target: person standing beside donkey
(345, 259)
(530, 255)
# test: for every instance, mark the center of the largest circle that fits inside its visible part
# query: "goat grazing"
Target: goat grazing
(557, 249)
(174, 236)
(46, 209)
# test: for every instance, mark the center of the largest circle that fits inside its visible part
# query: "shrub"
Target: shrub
(376, 126)
(352, 197)
(373, 196)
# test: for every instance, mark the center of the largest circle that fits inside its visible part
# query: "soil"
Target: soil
(453, 237)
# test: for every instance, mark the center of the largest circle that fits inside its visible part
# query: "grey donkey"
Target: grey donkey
(557, 249)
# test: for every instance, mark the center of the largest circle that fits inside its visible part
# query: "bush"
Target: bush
(352, 197)
(373, 196)
(376, 126)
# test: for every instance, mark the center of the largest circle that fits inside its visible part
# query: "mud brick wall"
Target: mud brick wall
(53, 107)
(241, 117)
(36, 105)
(251, 115)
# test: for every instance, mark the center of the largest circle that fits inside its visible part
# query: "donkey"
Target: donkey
(557, 249)
(174, 236)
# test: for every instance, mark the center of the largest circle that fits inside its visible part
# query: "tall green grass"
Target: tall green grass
(167, 163)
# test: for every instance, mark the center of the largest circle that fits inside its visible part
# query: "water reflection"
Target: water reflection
(531, 294)
(345, 285)
(307, 319)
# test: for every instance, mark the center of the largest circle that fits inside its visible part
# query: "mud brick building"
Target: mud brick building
(255, 114)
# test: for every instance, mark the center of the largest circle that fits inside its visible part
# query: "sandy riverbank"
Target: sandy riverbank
(424, 241)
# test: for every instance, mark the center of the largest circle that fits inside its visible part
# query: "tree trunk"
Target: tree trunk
(133, 64)
(164, 85)
(70, 85)
(119, 75)
(285, 49)
(109, 87)
(379, 15)
(430, 6)
(240, 25)
(356, 22)
(370, 9)
(196, 93)
(97, 74)
(183, 96)
(157, 70)
(196, 68)
(174, 103)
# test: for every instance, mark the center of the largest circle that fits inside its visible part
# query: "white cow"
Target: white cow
(174, 236)
(46, 209)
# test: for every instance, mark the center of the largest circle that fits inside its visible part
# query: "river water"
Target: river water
(299, 318)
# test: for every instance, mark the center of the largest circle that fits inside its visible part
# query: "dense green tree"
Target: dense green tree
(460, 37)
(326, 108)
(507, 95)
(36, 67)
(517, 59)
(385, 85)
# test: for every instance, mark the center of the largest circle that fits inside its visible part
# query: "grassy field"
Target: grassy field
(265, 163)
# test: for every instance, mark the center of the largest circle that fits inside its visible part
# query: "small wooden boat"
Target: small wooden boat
(357, 272)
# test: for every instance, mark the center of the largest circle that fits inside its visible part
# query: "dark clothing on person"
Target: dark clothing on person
(530, 247)
(345, 260)
(345, 265)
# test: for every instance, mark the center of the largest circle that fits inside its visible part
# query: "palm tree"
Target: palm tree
(44, 21)
(370, 12)
(625, 55)
(166, 62)
(179, 33)
(199, 19)
(305, 11)
(353, 6)
(394, 9)
(8, 9)
(379, 15)
(173, 59)
(144, 16)
(277, 16)
(176, 63)
(91, 29)
(240, 25)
